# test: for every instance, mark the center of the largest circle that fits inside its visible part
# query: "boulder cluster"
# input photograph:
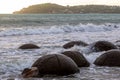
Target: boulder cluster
(69, 62)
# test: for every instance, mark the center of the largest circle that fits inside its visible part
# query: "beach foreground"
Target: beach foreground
(50, 33)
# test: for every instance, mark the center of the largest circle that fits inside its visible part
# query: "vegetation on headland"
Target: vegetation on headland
(49, 8)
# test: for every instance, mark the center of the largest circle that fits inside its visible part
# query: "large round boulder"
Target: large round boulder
(78, 58)
(103, 46)
(29, 46)
(52, 64)
(72, 43)
(110, 58)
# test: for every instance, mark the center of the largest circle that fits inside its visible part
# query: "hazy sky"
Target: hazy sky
(9, 6)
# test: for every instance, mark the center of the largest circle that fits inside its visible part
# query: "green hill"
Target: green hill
(49, 8)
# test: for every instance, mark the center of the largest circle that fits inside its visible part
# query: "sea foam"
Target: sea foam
(56, 29)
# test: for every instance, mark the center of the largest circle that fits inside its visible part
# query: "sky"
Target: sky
(9, 6)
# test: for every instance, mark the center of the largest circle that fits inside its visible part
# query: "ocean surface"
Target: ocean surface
(51, 32)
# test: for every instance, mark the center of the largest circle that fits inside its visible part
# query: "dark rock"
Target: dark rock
(25, 70)
(29, 46)
(79, 59)
(110, 58)
(53, 64)
(72, 43)
(103, 46)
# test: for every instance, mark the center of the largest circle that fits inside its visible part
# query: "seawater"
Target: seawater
(51, 32)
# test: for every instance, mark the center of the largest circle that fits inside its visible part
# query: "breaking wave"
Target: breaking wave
(58, 29)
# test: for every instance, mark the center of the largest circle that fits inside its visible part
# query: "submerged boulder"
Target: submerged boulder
(52, 64)
(79, 59)
(72, 43)
(103, 46)
(29, 46)
(110, 58)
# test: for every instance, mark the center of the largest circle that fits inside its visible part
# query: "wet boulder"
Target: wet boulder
(29, 46)
(72, 43)
(110, 58)
(78, 58)
(103, 46)
(52, 64)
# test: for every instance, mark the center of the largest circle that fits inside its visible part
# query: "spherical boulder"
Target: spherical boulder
(103, 46)
(78, 58)
(110, 58)
(72, 43)
(52, 64)
(29, 46)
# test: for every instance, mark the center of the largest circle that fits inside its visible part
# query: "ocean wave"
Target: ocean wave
(59, 29)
